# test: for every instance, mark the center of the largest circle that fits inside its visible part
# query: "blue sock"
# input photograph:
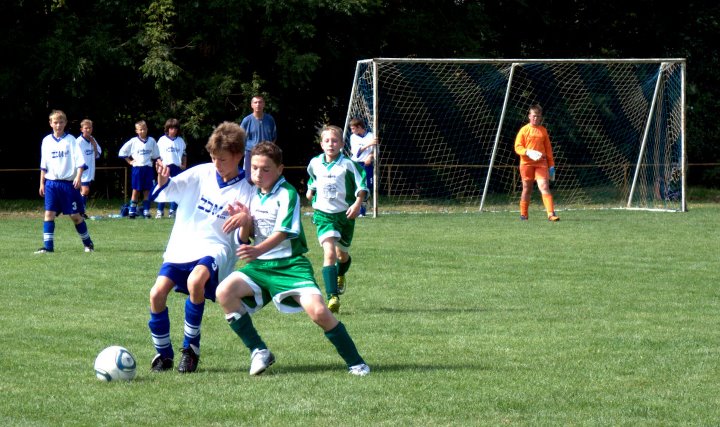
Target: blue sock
(133, 208)
(173, 206)
(160, 332)
(146, 206)
(161, 207)
(84, 201)
(82, 230)
(193, 318)
(49, 235)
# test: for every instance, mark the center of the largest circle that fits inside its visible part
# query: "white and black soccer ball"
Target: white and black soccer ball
(115, 363)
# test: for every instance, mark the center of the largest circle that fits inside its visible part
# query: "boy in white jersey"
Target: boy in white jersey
(362, 150)
(91, 151)
(276, 267)
(172, 154)
(201, 249)
(141, 152)
(337, 190)
(61, 167)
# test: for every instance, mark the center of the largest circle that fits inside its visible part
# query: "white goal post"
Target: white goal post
(446, 131)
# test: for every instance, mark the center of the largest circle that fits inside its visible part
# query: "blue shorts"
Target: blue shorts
(143, 178)
(179, 273)
(62, 198)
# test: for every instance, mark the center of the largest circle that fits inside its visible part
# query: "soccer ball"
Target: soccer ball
(115, 363)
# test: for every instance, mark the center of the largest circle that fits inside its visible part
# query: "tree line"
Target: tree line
(117, 62)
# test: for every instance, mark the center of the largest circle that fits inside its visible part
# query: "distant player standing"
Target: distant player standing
(362, 147)
(201, 249)
(61, 167)
(173, 154)
(91, 151)
(532, 144)
(337, 189)
(141, 152)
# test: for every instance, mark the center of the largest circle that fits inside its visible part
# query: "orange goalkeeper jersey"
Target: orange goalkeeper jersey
(534, 138)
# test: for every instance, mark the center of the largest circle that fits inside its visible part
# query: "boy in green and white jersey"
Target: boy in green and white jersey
(337, 190)
(276, 268)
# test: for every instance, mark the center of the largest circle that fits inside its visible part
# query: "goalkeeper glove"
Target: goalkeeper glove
(552, 173)
(533, 154)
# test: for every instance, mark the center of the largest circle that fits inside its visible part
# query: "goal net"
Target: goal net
(447, 127)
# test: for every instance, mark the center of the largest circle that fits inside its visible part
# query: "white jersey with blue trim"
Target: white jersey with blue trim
(357, 143)
(202, 199)
(171, 150)
(89, 155)
(60, 158)
(142, 152)
(336, 184)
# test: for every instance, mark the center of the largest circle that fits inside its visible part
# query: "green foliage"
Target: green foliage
(610, 319)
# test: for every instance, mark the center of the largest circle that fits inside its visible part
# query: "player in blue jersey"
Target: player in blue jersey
(276, 268)
(141, 152)
(91, 150)
(337, 190)
(61, 168)
(172, 154)
(201, 249)
(259, 126)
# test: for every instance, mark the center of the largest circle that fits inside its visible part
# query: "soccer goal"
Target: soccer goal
(446, 131)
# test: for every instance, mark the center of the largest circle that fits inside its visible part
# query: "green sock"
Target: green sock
(345, 346)
(343, 267)
(244, 328)
(330, 275)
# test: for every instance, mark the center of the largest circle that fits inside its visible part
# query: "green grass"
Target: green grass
(615, 320)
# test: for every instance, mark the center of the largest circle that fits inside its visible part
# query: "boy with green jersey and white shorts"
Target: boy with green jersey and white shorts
(276, 268)
(337, 189)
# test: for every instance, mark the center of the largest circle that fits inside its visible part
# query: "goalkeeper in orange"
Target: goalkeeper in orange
(532, 144)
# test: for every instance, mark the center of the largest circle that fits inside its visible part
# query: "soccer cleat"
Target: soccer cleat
(161, 364)
(158, 215)
(359, 370)
(188, 361)
(171, 214)
(552, 217)
(341, 285)
(523, 218)
(147, 215)
(90, 248)
(43, 250)
(260, 360)
(334, 304)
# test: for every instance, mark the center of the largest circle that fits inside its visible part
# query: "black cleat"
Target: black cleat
(161, 364)
(188, 361)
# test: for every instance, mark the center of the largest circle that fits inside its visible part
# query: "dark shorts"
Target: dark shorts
(143, 178)
(179, 273)
(62, 198)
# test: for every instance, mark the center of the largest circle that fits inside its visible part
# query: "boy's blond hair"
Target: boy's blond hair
(59, 114)
(331, 128)
(87, 122)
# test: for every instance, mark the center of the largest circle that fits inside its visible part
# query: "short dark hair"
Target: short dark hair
(270, 150)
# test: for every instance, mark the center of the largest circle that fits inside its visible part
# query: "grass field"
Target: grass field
(605, 318)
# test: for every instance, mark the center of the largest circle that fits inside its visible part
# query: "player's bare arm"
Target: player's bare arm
(354, 210)
(249, 253)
